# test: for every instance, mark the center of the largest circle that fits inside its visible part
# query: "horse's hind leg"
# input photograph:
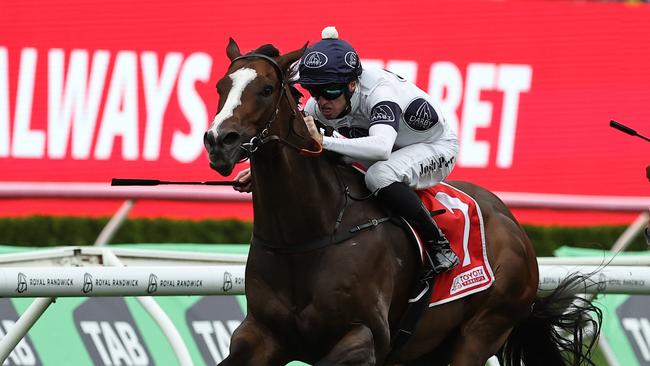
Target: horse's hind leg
(252, 345)
(480, 339)
(356, 348)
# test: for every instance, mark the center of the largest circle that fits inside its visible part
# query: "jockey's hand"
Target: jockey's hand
(244, 177)
(313, 130)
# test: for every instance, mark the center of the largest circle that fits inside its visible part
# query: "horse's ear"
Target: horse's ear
(232, 50)
(289, 58)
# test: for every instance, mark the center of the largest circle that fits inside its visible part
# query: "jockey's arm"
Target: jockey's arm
(378, 145)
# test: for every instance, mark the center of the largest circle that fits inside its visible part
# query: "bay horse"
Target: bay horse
(328, 299)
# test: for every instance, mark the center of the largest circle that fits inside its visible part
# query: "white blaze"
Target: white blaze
(240, 79)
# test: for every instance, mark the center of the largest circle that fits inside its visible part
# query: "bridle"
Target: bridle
(264, 136)
(337, 236)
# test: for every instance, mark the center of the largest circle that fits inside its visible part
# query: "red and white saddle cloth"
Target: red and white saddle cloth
(462, 223)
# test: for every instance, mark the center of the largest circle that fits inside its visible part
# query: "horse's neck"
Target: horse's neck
(295, 199)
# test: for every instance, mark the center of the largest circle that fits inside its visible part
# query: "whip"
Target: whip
(157, 182)
(626, 129)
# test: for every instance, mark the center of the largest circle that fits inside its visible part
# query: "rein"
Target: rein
(263, 136)
(337, 235)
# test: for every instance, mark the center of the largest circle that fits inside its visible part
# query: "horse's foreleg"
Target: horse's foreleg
(253, 345)
(355, 348)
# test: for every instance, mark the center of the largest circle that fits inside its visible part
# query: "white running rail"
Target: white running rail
(220, 193)
(77, 271)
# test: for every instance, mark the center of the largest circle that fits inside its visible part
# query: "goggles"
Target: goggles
(329, 92)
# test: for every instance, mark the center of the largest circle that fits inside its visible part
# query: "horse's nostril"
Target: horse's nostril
(208, 139)
(231, 138)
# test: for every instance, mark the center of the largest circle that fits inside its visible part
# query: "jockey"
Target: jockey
(387, 124)
(391, 125)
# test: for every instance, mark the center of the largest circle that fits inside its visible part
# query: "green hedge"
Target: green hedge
(548, 238)
(52, 231)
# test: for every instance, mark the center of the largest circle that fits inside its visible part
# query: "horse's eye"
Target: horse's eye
(267, 91)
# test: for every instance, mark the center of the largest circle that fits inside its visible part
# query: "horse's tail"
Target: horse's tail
(561, 329)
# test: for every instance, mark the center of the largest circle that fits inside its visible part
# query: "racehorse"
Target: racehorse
(318, 294)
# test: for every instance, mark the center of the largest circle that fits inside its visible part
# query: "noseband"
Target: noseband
(263, 136)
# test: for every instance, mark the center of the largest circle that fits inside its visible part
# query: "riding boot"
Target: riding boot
(402, 200)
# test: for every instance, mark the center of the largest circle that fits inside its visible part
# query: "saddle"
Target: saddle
(459, 217)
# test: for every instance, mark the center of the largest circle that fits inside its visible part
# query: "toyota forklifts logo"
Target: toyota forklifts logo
(22, 283)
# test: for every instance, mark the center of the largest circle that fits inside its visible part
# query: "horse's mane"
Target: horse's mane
(291, 77)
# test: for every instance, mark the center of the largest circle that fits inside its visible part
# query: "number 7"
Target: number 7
(451, 203)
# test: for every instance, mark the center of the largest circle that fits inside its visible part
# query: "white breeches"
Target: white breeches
(420, 165)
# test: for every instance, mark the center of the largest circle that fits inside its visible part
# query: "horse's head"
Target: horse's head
(251, 94)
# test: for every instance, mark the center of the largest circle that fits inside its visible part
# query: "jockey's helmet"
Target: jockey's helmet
(329, 61)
